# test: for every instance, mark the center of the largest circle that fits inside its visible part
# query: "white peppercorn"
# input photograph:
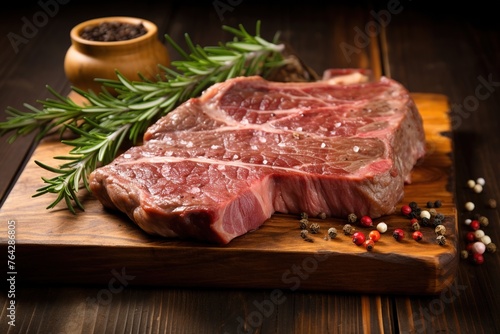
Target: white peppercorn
(382, 227)
(479, 234)
(469, 206)
(485, 240)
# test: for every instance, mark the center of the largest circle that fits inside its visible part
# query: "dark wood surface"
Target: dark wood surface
(452, 51)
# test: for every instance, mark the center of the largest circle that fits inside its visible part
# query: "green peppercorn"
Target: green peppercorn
(440, 230)
(304, 215)
(348, 229)
(415, 226)
(484, 221)
(433, 212)
(314, 228)
(492, 203)
(464, 254)
(441, 240)
(352, 218)
(491, 247)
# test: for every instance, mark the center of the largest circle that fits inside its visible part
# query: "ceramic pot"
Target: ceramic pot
(87, 60)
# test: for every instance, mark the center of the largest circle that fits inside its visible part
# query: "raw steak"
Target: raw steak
(220, 165)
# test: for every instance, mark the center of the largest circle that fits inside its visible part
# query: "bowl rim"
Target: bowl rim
(76, 30)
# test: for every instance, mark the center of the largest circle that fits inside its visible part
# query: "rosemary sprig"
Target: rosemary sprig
(106, 120)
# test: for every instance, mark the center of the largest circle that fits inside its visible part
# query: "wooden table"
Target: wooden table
(448, 51)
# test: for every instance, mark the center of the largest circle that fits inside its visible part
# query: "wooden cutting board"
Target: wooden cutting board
(102, 247)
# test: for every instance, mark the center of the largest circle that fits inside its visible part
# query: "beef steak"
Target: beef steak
(220, 165)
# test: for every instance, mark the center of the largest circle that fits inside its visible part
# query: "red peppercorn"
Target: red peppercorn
(413, 221)
(470, 237)
(398, 234)
(366, 221)
(374, 235)
(358, 238)
(406, 210)
(468, 247)
(478, 258)
(369, 244)
(417, 236)
(475, 225)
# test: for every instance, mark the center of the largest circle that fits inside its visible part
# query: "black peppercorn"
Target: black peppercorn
(437, 204)
(113, 31)
(437, 222)
(425, 221)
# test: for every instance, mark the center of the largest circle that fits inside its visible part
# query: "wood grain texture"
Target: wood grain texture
(84, 248)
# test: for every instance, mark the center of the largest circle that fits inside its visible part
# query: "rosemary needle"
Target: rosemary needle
(102, 125)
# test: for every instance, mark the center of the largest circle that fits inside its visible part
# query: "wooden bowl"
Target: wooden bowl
(87, 60)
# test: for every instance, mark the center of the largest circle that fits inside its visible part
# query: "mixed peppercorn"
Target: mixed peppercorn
(418, 217)
(478, 243)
